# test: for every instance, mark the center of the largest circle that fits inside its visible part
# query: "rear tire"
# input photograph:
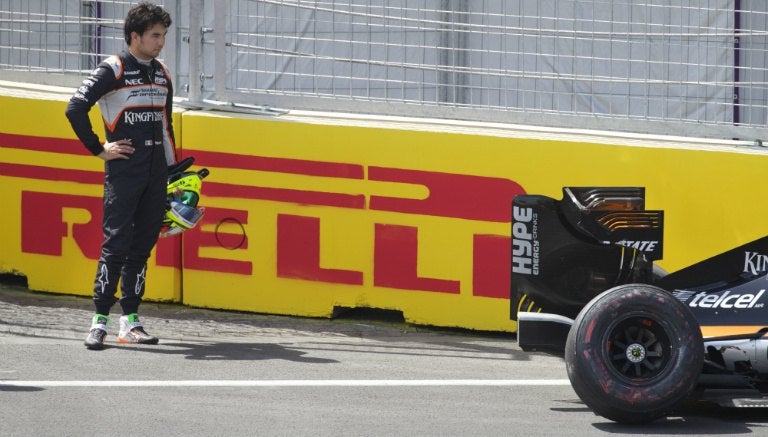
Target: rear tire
(633, 353)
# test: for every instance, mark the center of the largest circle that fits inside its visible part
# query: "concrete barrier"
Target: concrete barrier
(309, 212)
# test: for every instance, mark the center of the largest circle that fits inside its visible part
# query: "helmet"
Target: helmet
(183, 194)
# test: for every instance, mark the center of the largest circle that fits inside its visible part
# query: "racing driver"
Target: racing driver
(135, 96)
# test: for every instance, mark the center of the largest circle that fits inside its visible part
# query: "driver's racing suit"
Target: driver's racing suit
(135, 100)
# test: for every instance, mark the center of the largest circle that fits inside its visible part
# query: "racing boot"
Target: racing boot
(131, 331)
(98, 332)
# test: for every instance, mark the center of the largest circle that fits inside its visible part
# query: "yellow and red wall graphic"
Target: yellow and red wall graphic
(302, 218)
(308, 218)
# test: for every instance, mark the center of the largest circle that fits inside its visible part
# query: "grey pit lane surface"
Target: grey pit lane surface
(227, 373)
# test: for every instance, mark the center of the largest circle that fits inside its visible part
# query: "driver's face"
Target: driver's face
(148, 45)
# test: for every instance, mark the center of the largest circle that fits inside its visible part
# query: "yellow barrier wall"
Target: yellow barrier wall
(302, 218)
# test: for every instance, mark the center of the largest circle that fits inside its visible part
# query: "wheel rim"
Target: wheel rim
(639, 349)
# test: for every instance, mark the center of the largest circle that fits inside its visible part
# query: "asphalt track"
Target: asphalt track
(223, 373)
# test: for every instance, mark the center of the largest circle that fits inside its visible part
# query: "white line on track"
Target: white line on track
(295, 383)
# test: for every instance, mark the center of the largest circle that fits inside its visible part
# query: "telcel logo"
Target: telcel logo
(727, 300)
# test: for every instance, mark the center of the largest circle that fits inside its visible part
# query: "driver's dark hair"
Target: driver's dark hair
(143, 16)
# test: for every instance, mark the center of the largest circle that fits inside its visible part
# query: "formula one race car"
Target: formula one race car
(637, 342)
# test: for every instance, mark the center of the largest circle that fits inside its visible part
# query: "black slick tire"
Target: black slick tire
(634, 353)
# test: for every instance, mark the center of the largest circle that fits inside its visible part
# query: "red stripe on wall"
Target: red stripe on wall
(202, 158)
(279, 165)
(43, 144)
(213, 189)
(216, 189)
(51, 173)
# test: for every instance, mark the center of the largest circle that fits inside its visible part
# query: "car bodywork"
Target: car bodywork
(566, 252)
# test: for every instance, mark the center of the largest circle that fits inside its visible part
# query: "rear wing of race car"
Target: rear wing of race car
(615, 216)
(565, 252)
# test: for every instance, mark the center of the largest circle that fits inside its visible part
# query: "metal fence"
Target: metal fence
(678, 67)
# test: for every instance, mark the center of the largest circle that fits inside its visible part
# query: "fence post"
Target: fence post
(196, 10)
(452, 52)
(220, 47)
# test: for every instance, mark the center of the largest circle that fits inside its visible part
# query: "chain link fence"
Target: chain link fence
(687, 68)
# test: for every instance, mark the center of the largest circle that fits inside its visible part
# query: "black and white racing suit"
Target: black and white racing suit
(135, 101)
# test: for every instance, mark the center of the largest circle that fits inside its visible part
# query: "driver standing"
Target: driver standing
(135, 97)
